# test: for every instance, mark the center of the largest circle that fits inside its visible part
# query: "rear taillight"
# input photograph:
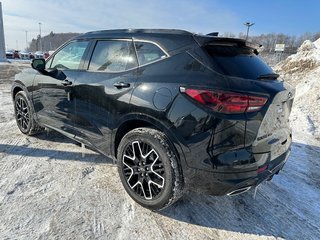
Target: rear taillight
(261, 169)
(226, 102)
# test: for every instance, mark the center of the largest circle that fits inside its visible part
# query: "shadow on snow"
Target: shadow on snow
(275, 211)
(265, 215)
(28, 150)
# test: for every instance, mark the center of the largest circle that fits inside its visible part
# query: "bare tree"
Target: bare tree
(51, 41)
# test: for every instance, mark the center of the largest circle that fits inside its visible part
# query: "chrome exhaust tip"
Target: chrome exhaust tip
(239, 191)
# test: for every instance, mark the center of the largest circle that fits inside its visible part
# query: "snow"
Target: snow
(48, 190)
(307, 59)
(303, 71)
(317, 43)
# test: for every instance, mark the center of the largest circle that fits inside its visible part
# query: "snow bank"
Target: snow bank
(302, 70)
(304, 61)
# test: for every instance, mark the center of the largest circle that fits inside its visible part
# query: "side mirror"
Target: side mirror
(38, 64)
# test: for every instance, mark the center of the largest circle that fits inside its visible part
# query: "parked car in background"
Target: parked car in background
(31, 55)
(176, 110)
(51, 52)
(38, 54)
(12, 54)
(46, 55)
(24, 55)
(16, 54)
(9, 54)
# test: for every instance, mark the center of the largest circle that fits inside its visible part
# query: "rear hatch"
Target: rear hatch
(268, 132)
(274, 133)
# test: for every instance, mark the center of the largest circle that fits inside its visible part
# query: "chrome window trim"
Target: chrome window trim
(154, 43)
(158, 60)
(133, 40)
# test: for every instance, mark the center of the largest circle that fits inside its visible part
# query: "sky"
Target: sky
(293, 17)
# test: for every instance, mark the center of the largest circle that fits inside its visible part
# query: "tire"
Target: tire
(149, 168)
(24, 115)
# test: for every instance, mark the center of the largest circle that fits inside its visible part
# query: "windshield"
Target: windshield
(237, 61)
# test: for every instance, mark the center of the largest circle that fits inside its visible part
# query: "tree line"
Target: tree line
(50, 42)
(292, 42)
(268, 41)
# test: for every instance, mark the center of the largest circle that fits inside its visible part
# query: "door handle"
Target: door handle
(121, 85)
(66, 83)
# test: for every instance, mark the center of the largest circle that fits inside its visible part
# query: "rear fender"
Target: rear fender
(166, 129)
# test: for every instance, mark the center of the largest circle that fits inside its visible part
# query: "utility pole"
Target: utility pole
(40, 47)
(248, 24)
(2, 43)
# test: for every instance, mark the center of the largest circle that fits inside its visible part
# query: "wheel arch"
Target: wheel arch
(133, 122)
(17, 87)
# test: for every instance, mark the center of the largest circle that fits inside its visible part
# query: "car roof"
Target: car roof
(169, 39)
(136, 32)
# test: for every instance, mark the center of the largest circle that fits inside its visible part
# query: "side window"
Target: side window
(148, 52)
(113, 56)
(69, 57)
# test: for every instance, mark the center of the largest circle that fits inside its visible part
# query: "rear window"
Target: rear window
(237, 61)
(148, 52)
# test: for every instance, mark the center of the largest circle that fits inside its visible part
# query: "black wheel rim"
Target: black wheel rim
(143, 170)
(22, 114)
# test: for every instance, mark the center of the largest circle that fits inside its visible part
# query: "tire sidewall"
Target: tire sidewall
(148, 136)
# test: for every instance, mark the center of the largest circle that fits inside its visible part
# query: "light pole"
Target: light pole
(40, 47)
(248, 24)
(26, 39)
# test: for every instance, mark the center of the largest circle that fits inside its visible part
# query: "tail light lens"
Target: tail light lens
(226, 102)
(261, 169)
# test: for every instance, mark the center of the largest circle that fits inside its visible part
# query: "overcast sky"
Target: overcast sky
(287, 16)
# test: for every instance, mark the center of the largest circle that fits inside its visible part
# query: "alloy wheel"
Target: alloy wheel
(143, 170)
(22, 113)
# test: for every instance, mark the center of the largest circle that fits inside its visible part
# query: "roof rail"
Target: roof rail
(143, 30)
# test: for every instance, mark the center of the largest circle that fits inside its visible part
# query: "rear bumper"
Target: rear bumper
(233, 183)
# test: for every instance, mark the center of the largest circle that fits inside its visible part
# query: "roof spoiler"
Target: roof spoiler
(204, 40)
(214, 34)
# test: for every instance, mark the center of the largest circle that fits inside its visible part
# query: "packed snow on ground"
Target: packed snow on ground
(48, 190)
(302, 70)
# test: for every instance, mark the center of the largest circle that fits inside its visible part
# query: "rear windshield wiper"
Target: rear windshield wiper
(268, 76)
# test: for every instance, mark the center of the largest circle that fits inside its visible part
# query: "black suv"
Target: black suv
(177, 110)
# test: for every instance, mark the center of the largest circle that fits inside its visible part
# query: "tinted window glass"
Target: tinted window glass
(237, 61)
(70, 56)
(148, 52)
(113, 56)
